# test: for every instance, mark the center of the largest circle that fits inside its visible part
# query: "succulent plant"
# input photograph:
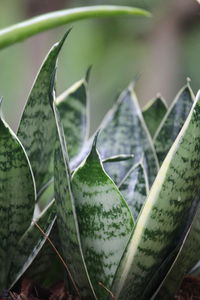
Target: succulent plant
(122, 208)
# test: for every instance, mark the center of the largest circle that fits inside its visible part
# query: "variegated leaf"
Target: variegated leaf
(124, 131)
(134, 187)
(37, 126)
(47, 266)
(30, 244)
(165, 212)
(105, 221)
(17, 196)
(153, 113)
(66, 217)
(73, 108)
(173, 122)
(46, 195)
(188, 256)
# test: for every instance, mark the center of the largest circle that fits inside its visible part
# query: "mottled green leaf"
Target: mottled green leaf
(153, 113)
(134, 187)
(105, 221)
(188, 256)
(173, 122)
(46, 195)
(47, 268)
(17, 196)
(124, 131)
(30, 244)
(37, 127)
(165, 212)
(66, 216)
(73, 108)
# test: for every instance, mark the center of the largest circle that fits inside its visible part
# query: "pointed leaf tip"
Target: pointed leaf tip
(88, 73)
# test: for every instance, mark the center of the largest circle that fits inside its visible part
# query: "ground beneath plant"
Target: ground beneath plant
(189, 290)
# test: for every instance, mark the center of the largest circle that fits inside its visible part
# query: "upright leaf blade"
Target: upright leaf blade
(66, 216)
(153, 113)
(124, 131)
(30, 244)
(73, 108)
(134, 187)
(37, 126)
(17, 196)
(157, 231)
(105, 221)
(173, 122)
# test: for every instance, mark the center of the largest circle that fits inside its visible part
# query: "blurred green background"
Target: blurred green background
(160, 52)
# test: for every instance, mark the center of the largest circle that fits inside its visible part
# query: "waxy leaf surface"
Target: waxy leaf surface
(123, 131)
(37, 127)
(105, 221)
(17, 197)
(73, 108)
(173, 122)
(153, 114)
(134, 188)
(30, 244)
(165, 212)
(66, 216)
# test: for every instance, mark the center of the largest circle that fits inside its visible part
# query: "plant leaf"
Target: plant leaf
(23, 30)
(165, 212)
(74, 112)
(173, 122)
(37, 127)
(105, 221)
(124, 131)
(153, 113)
(30, 244)
(66, 216)
(134, 187)
(47, 265)
(17, 196)
(188, 256)
(46, 195)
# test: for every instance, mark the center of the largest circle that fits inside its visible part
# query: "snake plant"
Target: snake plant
(121, 207)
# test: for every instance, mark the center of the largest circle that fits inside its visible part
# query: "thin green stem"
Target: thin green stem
(28, 28)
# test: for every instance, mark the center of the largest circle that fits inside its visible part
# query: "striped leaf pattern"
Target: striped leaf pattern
(17, 197)
(173, 122)
(134, 187)
(105, 221)
(153, 113)
(30, 244)
(157, 231)
(66, 216)
(37, 127)
(73, 108)
(123, 131)
(188, 256)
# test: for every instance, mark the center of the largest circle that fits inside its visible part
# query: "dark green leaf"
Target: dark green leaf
(73, 108)
(165, 213)
(124, 131)
(173, 122)
(37, 127)
(105, 221)
(17, 197)
(153, 113)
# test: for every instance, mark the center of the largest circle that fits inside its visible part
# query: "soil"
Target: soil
(190, 289)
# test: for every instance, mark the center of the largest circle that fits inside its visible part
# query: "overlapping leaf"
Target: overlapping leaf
(30, 244)
(134, 188)
(173, 122)
(153, 113)
(17, 196)
(165, 212)
(73, 108)
(105, 221)
(123, 131)
(37, 127)
(66, 217)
